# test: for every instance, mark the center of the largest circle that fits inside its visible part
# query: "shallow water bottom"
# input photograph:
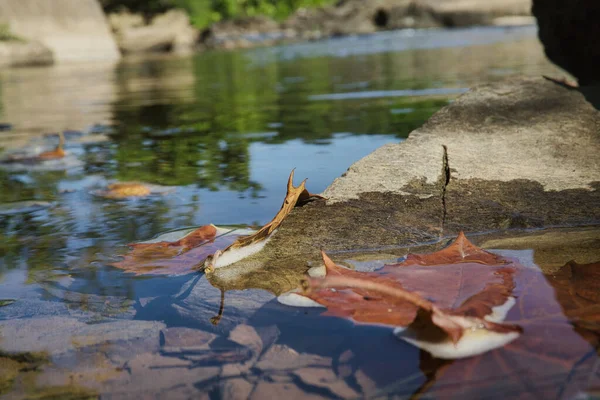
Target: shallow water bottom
(180, 337)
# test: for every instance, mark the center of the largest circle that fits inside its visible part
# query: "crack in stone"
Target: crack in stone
(445, 181)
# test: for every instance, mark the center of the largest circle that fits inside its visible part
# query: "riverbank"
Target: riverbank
(62, 37)
(173, 31)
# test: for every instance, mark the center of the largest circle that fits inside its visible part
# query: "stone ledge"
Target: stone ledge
(20, 53)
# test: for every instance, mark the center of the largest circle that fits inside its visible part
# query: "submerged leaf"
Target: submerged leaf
(248, 245)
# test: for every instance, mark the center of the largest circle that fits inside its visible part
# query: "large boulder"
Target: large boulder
(520, 154)
(74, 30)
(170, 31)
(569, 30)
(17, 53)
(454, 13)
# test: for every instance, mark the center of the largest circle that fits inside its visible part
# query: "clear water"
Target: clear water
(222, 130)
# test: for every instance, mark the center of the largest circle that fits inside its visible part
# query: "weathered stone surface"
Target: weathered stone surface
(21, 53)
(75, 30)
(569, 32)
(524, 153)
(170, 31)
(452, 13)
(528, 129)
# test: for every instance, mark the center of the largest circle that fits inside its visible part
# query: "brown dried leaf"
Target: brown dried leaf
(122, 190)
(463, 292)
(295, 196)
(55, 154)
(555, 355)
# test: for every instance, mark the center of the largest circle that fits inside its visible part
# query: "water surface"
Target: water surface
(222, 131)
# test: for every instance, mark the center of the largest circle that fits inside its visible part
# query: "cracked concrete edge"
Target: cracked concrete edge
(391, 168)
(522, 128)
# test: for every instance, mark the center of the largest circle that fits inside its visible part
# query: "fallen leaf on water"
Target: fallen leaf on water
(557, 355)
(57, 153)
(168, 256)
(452, 301)
(552, 356)
(25, 158)
(248, 245)
(125, 190)
(208, 246)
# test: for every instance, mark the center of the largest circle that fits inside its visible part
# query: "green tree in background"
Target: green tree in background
(205, 12)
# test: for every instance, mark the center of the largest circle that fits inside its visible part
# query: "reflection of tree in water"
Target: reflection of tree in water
(199, 131)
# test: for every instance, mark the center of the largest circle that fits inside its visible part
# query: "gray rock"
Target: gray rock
(528, 128)
(74, 30)
(170, 31)
(56, 335)
(23, 53)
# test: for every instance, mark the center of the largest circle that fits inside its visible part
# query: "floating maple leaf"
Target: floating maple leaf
(248, 245)
(520, 339)
(452, 301)
(555, 357)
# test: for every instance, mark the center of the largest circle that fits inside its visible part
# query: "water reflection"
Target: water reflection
(223, 129)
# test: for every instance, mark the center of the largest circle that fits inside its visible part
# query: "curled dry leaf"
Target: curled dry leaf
(451, 301)
(208, 246)
(55, 154)
(248, 245)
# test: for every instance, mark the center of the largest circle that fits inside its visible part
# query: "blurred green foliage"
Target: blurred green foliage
(205, 12)
(6, 34)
